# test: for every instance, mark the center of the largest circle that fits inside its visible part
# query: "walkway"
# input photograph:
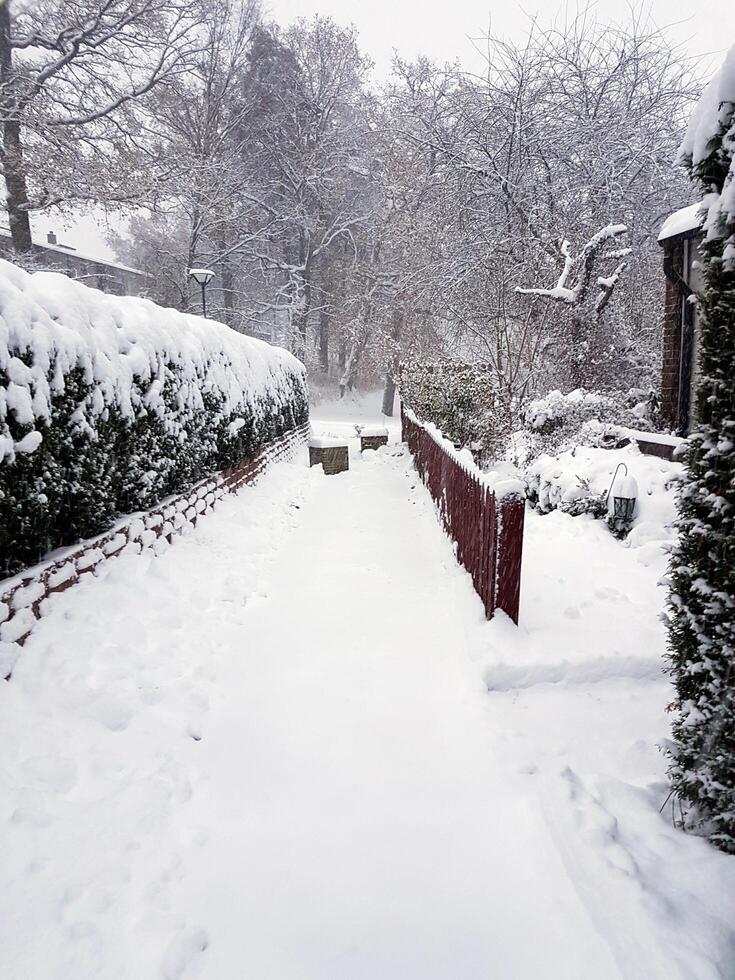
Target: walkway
(270, 754)
(363, 825)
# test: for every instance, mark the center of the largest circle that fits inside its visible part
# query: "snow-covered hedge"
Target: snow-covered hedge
(109, 404)
(461, 400)
(701, 611)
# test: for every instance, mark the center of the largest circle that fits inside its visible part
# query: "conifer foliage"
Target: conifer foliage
(702, 600)
(110, 404)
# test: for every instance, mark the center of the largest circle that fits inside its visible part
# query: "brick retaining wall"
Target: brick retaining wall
(22, 596)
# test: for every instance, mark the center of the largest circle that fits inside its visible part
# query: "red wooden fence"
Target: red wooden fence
(487, 530)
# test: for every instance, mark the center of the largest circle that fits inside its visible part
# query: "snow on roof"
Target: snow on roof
(712, 124)
(91, 258)
(71, 251)
(683, 221)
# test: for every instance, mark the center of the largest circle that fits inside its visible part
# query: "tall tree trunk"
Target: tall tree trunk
(347, 381)
(15, 182)
(13, 162)
(324, 337)
(302, 298)
(227, 279)
(577, 360)
(301, 315)
(389, 392)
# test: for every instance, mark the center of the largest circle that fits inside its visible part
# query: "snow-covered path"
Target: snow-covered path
(291, 747)
(364, 825)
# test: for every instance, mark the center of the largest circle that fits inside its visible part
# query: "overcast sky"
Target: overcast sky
(442, 29)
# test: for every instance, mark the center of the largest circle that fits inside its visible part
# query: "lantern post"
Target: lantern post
(203, 277)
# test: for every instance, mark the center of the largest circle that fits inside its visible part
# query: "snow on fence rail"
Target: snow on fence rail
(23, 598)
(484, 520)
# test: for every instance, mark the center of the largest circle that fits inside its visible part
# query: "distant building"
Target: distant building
(680, 239)
(51, 255)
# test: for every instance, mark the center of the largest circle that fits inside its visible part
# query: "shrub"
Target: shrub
(702, 600)
(462, 401)
(558, 422)
(109, 404)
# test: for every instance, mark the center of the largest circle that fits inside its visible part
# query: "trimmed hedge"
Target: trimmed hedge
(109, 404)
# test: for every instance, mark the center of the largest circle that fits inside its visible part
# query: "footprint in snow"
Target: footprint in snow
(528, 769)
(182, 953)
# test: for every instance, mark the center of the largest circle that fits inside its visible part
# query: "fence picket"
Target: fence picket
(488, 532)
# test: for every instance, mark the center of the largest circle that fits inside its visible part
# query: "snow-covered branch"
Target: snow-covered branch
(581, 267)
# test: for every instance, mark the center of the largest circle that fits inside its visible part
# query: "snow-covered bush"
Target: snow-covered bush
(109, 404)
(577, 481)
(702, 600)
(558, 422)
(461, 400)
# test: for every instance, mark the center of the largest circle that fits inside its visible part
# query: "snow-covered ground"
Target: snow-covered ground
(291, 747)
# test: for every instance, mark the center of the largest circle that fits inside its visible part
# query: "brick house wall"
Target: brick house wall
(671, 338)
(679, 239)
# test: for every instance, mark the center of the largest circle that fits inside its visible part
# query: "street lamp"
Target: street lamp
(203, 277)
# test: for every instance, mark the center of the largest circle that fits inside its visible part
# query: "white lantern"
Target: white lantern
(203, 277)
(625, 494)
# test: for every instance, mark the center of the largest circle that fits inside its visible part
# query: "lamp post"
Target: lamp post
(203, 277)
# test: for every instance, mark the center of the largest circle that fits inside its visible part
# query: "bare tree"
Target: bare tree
(200, 113)
(73, 77)
(579, 122)
(308, 161)
(574, 290)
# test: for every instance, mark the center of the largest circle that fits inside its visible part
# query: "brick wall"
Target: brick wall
(671, 335)
(23, 597)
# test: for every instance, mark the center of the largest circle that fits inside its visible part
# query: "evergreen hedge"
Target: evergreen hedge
(108, 405)
(702, 599)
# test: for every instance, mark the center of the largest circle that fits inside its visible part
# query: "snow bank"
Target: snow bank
(51, 325)
(555, 407)
(108, 404)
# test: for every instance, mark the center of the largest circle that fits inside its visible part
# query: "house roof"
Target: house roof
(686, 221)
(75, 253)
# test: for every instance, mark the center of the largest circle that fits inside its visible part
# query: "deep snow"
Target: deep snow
(291, 747)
